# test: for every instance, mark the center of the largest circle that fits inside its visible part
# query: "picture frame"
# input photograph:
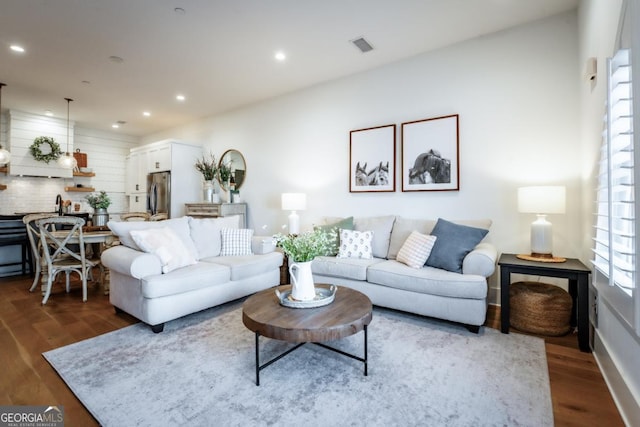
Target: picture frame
(430, 154)
(372, 159)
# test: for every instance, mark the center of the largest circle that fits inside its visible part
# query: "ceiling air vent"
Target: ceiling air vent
(362, 44)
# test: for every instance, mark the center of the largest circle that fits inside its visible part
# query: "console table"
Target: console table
(215, 210)
(573, 270)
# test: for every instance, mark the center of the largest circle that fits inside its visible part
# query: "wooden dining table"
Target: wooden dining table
(99, 240)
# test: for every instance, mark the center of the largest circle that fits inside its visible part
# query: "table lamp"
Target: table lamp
(542, 200)
(294, 202)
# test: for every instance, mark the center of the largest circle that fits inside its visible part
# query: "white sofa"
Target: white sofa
(172, 280)
(429, 291)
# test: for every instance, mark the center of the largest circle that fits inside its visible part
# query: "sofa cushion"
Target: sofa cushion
(416, 249)
(236, 241)
(205, 233)
(454, 242)
(381, 227)
(343, 224)
(404, 226)
(166, 245)
(355, 244)
(427, 280)
(246, 266)
(190, 278)
(180, 225)
(348, 268)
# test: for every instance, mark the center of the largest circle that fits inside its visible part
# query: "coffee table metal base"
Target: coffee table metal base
(275, 359)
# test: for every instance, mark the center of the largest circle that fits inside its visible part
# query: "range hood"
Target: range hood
(24, 128)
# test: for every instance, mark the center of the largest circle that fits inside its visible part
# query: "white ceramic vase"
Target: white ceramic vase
(302, 278)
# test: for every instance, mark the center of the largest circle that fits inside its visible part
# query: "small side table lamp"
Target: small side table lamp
(294, 202)
(541, 201)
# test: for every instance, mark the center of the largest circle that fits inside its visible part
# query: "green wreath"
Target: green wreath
(37, 153)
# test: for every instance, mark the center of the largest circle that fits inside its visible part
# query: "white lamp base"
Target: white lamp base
(541, 242)
(294, 223)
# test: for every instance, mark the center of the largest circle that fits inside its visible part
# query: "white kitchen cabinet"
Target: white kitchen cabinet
(138, 202)
(136, 171)
(160, 158)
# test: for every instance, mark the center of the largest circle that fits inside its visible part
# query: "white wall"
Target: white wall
(517, 96)
(616, 347)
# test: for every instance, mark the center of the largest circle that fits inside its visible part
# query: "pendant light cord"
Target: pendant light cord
(68, 103)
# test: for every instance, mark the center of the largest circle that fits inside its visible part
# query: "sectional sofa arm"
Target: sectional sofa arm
(131, 262)
(481, 260)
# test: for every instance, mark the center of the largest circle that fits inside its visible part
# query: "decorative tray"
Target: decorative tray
(324, 296)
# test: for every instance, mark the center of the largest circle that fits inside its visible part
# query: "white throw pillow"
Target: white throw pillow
(355, 244)
(236, 241)
(166, 245)
(205, 233)
(416, 249)
(179, 225)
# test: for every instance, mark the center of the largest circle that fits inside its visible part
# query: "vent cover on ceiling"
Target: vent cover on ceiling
(362, 44)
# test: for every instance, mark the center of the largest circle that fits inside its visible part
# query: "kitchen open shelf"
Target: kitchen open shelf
(79, 189)
(3, 187)
(3, 169)
(84, 174)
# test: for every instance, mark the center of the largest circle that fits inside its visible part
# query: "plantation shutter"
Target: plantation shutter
(614, 248)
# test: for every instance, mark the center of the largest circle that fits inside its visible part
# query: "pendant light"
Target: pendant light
(67, 160)
(5, 155)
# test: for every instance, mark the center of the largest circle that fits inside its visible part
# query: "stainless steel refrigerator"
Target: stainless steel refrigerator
(159, 193)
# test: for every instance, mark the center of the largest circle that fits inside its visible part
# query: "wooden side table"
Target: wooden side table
(573, 270)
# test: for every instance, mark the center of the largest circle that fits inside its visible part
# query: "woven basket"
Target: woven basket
(540, 308)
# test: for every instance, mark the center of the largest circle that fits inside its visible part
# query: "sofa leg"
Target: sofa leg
(157, 328)
(473, 328)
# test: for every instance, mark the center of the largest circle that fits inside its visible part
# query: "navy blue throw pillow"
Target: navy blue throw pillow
(453, 243)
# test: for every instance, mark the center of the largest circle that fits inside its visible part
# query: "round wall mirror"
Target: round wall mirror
(235, 160)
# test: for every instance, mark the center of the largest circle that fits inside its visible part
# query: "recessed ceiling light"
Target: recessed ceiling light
(48, 113)
(115, 126)
(180, 97)
(280, 56)
(16, 48)
(146, 113)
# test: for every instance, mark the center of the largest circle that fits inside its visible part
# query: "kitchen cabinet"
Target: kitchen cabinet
(138, 202)
(159, 158)
(137, 168)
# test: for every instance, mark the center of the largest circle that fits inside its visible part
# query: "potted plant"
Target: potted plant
(99, 202)
(301, 250)
(207, 166)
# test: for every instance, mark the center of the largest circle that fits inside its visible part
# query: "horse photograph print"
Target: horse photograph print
(372, 159)
(430, 157)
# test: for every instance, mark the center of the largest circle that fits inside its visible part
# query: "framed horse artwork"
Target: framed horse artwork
(430, 154)
(372, 160)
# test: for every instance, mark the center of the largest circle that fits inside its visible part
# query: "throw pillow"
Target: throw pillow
(236, 241)
(344, 224)
(416, 249)
(166, 245)
(179, 225)
(381, 227)
(205, 233)
(355, 244)
(454, 242)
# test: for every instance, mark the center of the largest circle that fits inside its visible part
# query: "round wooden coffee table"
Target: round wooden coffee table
(348, 314)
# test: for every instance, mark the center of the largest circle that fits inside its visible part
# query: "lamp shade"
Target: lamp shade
(542, 199)
(294, 201)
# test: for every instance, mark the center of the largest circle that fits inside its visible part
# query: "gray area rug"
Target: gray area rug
(201, 372)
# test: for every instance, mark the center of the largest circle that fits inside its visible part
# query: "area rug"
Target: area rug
(201, 372)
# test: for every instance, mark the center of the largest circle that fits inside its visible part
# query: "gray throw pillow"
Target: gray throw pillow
(344, 224)
(453, 243)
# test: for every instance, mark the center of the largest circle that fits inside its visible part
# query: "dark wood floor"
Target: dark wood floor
(27, 329)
